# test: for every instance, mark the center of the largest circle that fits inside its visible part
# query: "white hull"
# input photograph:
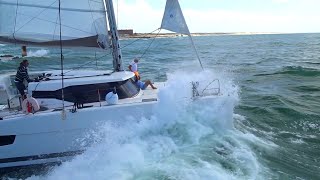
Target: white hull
(49, 135)
(46, 137)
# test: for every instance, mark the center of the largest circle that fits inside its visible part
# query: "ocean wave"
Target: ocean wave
(310, 62)
(305, 89)
(300, 71)
(295, 71)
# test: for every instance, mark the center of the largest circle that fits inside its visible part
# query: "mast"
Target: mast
(116, 51)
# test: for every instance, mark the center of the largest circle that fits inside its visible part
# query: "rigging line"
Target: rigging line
(138, 39)
(55, 27)
(52, 8)
(61, 58)
(96, 1)
(36, 16)
(150, 44)
(95, 27)
(210, 84)
(192, 42)
(58, 24)
(92, 61)
(170, 10)
(194, 47)
(95, 56)
(15, 21)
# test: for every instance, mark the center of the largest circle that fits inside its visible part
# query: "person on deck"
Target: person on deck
(133, 67)
(22, 74)
(141, 84)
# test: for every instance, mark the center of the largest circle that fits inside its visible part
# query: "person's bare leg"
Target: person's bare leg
(148, 82)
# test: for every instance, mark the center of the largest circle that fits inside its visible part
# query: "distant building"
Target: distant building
(126, 32)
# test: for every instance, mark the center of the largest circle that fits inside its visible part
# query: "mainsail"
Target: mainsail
(34, 22)
(173, 19)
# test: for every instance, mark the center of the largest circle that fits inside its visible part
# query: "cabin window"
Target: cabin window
(92, 92)
(7, 140)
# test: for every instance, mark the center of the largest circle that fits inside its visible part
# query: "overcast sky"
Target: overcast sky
(286, 16)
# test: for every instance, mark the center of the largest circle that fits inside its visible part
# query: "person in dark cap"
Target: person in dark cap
(22, 74)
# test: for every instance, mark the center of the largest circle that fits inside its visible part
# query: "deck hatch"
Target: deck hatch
(149, 100)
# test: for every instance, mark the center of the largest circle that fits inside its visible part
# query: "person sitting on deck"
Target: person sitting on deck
(141, 84)
(22, 74)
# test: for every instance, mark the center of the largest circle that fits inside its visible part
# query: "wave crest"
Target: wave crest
(38, 53)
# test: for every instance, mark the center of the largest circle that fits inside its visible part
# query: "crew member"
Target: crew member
(22, 74)
(133, 67)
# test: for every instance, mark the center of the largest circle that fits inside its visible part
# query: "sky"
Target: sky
(278, 16)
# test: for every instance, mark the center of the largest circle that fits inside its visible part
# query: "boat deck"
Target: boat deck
(147, 95)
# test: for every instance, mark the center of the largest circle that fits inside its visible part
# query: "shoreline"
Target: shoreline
(166, 35)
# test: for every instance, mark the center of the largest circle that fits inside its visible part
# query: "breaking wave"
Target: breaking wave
(184, 139)
(38, 53)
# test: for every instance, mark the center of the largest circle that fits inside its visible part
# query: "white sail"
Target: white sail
(173, 19)
(36, 22)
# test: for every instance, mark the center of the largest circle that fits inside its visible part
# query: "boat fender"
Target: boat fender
(112, 98)
(30, 104)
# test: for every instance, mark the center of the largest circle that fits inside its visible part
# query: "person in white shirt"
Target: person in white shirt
(134, 65)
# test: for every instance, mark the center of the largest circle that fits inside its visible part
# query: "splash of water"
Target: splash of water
(184, 139)
(38, 53)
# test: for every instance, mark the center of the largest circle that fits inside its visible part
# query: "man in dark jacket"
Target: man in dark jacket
(22, 74)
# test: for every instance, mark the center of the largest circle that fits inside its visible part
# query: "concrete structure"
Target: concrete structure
(126, 32)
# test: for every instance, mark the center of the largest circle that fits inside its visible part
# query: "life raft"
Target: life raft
(30, 105)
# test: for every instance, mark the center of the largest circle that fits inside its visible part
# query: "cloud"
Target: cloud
(280, 1)
(139, 15)
(237, 21)
(142, 17)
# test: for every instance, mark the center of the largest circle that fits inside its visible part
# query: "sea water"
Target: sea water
(266, 125)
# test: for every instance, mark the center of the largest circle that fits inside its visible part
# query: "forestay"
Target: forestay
(173, 19)
(34, 22)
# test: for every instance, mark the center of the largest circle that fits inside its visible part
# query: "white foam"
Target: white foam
(38, 53)
(296, 141)
(170, 145)
(239, 117)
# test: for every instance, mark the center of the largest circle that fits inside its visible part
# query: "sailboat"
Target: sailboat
(61, 106)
